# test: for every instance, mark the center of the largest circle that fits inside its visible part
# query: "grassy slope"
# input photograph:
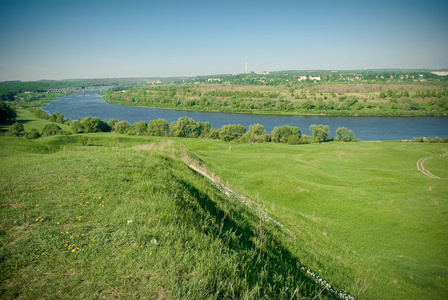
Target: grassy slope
(110, 221)
(359, 207)
(30, 121)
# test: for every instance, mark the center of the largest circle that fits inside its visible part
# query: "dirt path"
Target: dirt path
(422, 169)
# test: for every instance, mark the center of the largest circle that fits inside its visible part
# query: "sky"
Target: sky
(111, 39)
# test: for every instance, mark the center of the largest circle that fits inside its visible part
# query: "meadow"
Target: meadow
(124, 216)
(361, 214)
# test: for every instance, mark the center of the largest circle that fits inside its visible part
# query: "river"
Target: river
(78, 106)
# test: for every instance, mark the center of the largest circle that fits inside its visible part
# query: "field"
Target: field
(365, 217)
(126, 217)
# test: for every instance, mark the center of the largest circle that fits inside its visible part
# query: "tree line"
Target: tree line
(186, 128)
(393, 103)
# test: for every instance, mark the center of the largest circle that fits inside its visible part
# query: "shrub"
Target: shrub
(293, 140)
(344, 134)
(16, 129)
(158, 127)
(33, 134)
(51, 129)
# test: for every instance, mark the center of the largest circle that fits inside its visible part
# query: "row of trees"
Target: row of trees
(189, 128)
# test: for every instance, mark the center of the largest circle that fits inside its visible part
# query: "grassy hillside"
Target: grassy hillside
(115, 220)
(124, 216)
(362, 215)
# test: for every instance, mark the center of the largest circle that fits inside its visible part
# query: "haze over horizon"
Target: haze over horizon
(112, 39)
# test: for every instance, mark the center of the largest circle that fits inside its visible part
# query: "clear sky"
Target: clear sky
(107, 39)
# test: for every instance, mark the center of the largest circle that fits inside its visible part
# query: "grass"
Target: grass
(362, 208)
(125, 217)
(118, 219)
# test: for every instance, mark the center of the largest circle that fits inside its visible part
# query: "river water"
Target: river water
(78, 106)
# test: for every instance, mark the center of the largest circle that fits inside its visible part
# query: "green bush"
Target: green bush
(32, 134)
(51, 129)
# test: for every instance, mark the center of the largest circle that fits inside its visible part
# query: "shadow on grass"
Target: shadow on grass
(264, 261)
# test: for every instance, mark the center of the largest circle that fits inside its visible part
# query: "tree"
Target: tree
(51, 129)
(122, 127)
(16, 129)
(227, 133)
(320, 132)
(283, 133)
(76, 126)
(56, 117)
(41, 114)
(344, 134)
(158, 127)
(90, 124)
(184, 127)
(140, 128)
(256, 134)
(111, 123)
(7, 113)
(33, 134)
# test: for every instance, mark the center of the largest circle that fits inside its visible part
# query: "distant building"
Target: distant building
(302, 78)
(316, 78)
(27, 92)
(440, 73)
(213, 79)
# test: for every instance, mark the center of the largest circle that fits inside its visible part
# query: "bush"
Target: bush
(16, 129)
(293, 140)
(51, 129)
(33, 134)
(41, 114)
(158, 127)
(344, 134)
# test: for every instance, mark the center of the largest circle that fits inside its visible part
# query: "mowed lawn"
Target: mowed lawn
(361, 214)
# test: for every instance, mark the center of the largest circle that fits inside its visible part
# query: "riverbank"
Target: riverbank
(318, 99)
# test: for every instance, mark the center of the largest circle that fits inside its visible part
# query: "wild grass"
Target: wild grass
(361, 214)
(117, 219)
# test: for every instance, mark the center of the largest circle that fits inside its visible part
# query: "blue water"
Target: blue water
(78, 106)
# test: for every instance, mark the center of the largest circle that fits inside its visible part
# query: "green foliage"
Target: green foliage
(51, 129)
(121, 127)
(344, 134)
(185, 127)
(320, 132)
(158, 127)
(41, 114)
(16, 129)
(56, 117)
(229, 132)
(7, 113)
(282, 134)
(256, 134)
(90, 124)
(32, 134)
(140, 128)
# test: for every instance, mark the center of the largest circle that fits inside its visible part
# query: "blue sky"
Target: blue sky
(100, 39)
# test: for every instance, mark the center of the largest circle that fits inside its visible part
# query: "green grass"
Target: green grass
(29, 121)
(116, 221)
(360, 215)
(364, 216)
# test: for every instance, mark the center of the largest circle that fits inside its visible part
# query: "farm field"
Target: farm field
(365, 217)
